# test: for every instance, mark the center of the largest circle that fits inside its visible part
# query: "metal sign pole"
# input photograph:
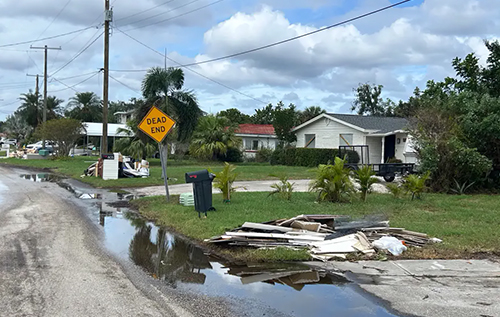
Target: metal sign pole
(163, 161)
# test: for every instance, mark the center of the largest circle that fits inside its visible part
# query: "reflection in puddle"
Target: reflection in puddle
(291, 289)
(41, 177)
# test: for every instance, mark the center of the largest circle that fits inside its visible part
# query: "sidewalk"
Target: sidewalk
(301, 185)
(452, 288)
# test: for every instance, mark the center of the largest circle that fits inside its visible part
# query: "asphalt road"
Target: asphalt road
(52, 262)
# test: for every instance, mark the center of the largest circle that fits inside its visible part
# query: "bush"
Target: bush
(415, 184)
(397, 190)
(264, 155)
(309, 157)
(333, 183)
(394, 160)
(233, 155)
(284, 189)
(364, 175)
(224, 181)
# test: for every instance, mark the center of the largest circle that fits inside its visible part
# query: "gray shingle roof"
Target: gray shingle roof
(380, 124)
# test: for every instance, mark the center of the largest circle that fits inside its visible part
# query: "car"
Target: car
(49, 145)
(8, 141)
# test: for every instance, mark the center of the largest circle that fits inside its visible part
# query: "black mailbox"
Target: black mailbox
(202, 190)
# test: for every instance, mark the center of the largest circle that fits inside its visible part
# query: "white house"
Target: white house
(385, 136)
(256, 137)
(124, 116)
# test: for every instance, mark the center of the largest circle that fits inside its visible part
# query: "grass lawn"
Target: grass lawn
(468, 225)
(74, 167)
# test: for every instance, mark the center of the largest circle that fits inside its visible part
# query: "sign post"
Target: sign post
(156, 124)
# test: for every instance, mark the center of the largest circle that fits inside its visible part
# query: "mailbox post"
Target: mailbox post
(202, 190)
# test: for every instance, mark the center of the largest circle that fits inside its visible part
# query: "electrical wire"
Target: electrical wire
(47, 38)
(280, 42)
(73, 86)
(125, 85)
(144, 11)
(191, 70)
(78, 54)
(53, 20)
(161, 13)
(174, 17)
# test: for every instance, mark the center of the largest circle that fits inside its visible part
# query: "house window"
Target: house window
(248, 144)
(346, 139)
(255, 145)
(310, 141)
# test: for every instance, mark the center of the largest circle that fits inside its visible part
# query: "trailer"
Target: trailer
(387, 170)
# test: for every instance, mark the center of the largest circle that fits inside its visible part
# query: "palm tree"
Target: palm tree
(85, 106)
(212, 137)
(310, 113)
(53, 107)
(16, 125)
(31, 108)
(163, 87)
(138, 146)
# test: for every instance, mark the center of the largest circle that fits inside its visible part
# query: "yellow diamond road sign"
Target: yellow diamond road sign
(156, 124)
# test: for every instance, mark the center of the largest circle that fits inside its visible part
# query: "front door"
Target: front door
(390, 147)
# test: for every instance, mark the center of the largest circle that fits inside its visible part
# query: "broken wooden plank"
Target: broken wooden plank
(311, 226)
(260, 226)
(268, 276)
(274, 236)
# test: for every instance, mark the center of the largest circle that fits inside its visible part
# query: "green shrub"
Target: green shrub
(415, 184)
(309, 157)
(364, 175)
(394, 160)
(283, 189)
(264, 155)
(233, 155)
(224, 181)
(396, 190)
(332, 182)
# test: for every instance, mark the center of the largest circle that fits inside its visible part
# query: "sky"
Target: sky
(400, 48)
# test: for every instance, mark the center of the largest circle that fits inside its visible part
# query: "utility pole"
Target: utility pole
(45, 48)
(108, 17)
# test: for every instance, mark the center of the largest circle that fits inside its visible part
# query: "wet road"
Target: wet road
(68, 249)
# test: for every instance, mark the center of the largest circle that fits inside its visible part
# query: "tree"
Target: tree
(284, 120)
(122, 106)
(264, 115)
(163, 88)
(16, 126)
(235, 116)
(369, 101)
(64, 132)
(309, 113)
(31, 108)
(138, 146)
(213, 137)
(85, 106)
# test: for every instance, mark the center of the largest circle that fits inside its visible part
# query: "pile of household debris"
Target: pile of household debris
(325, 236)
(125, 167)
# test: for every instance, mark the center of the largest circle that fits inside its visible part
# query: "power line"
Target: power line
(77, 55)
(191, 70)
(161, 13)
(177, 16)
(279, 42)
(47, 38)
(125, 85)
(53, 20)
(73, 86)
(299, 36)
(147, 10)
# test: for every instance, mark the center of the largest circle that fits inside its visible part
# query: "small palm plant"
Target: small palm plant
(284, 189)
(332, 182)
(396, 190)
(224, 181)
(415, 185)
(460, 189)
(364, 175)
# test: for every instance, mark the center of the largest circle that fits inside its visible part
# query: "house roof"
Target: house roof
(95, 129)
(379, 124)
(249, 128)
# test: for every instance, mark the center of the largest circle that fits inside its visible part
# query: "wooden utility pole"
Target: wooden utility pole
(45, 48)
(37, 83)
(108, 17)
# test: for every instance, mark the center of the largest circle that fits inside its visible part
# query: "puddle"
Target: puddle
(41, 177)
(291, 289)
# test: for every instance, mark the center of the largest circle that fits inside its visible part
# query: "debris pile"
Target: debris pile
(325, 236)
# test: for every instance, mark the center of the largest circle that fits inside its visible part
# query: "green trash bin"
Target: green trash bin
(43, 152)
